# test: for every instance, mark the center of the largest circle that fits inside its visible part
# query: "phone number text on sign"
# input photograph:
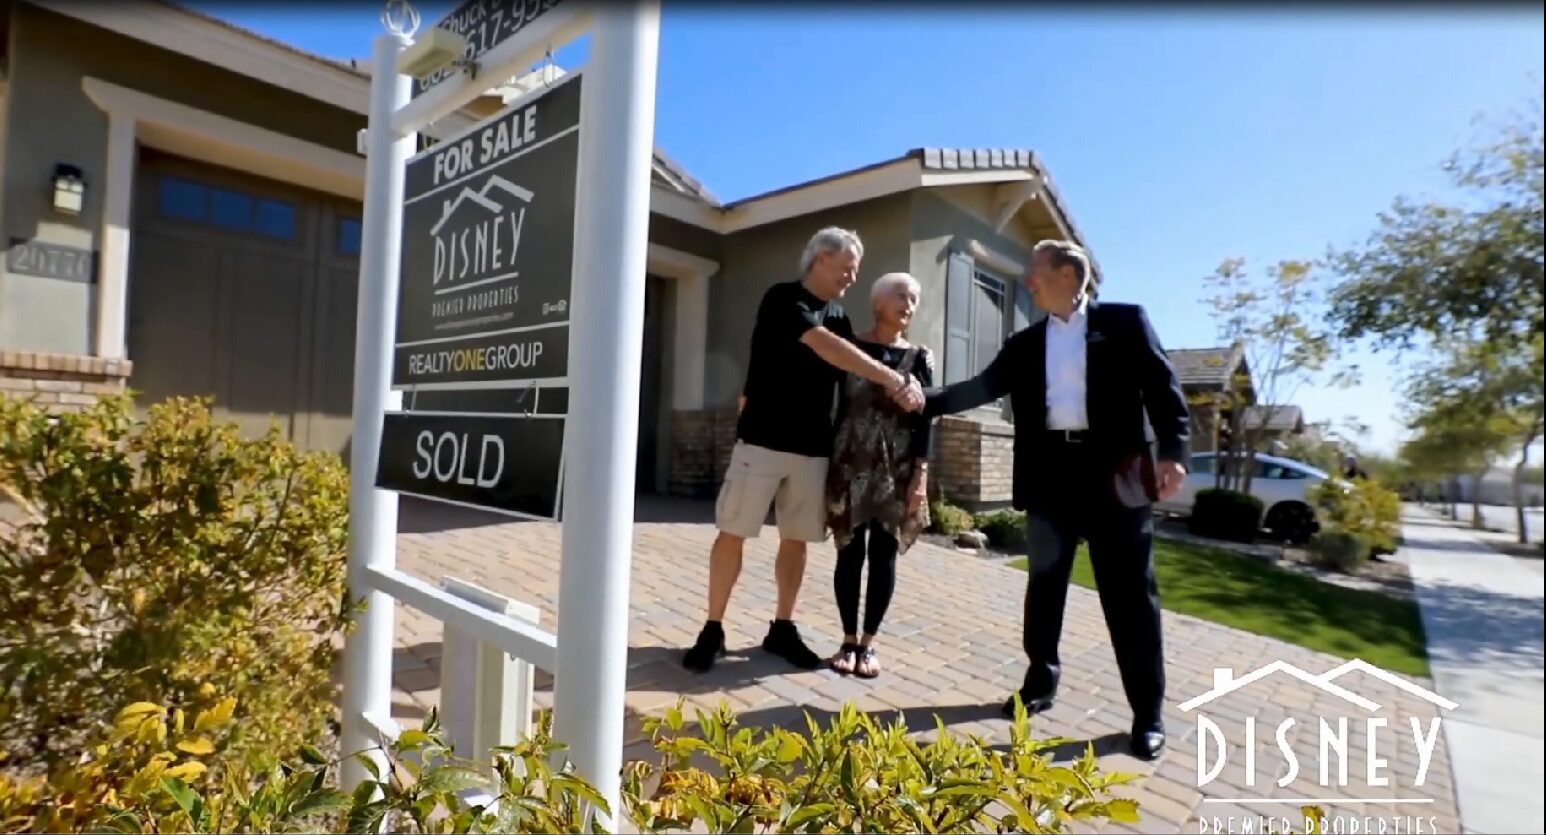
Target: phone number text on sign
(485, 24)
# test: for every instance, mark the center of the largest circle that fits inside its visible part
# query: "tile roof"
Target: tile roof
(1283, 418)
(1206, 366)
(1004, 159)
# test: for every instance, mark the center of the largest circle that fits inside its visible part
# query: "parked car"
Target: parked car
(1283, 484)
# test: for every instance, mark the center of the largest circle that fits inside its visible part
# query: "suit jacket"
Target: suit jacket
(1137, 411)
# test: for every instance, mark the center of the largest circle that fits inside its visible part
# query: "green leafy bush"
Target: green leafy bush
(1005, 529)
(1359, 517)
(159, 558)
(158, 771)
(1342, 550)
(855, 775)
(1226, 514)
(948, 519)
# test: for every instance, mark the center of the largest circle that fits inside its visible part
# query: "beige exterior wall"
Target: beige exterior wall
(50, 120)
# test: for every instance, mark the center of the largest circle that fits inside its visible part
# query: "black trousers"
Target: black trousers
(871, 544)
(1079, 505)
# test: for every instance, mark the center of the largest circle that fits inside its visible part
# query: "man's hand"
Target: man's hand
(1171, 476)
(918, 493)
(909, 396)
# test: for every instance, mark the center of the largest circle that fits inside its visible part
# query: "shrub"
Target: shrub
(857, 775)
(1342, 550)
(161, 557)
(159, 771)
(948, 519)
(1363, 507)
(1226, 514)
(1005, 529)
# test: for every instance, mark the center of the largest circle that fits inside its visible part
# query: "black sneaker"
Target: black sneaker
(784, 641)
(709, 646)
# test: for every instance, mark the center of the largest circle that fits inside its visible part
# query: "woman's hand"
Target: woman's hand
(918, 493)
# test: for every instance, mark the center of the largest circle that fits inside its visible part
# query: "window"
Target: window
(349, 236)
(988, 313)
(982, 309)
(1201, 464)
(231, 209)
(184, 200)
(276, 219)
(228, 209)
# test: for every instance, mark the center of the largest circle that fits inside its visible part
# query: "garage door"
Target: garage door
(244, 289)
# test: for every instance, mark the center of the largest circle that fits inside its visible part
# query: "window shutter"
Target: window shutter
(958, 318)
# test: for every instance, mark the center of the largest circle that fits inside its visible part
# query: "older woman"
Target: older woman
(877, 477)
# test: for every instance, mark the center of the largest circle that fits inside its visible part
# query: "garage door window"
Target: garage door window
(228, 209)
(348, 236)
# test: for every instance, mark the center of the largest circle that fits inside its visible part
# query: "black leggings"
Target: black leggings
(850, 564)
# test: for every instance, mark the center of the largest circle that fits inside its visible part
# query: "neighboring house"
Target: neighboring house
(1216, 381)
(221, 229)
(1497, 488)
(1275, 424)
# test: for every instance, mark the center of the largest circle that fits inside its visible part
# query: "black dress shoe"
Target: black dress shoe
(1147, 743)
(1033, 704)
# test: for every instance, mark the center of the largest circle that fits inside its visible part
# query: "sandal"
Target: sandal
(845, 660)
(867, 665)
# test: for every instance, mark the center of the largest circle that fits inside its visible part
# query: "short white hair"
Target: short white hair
(1067, 254)
(827, 241)
(889, 282)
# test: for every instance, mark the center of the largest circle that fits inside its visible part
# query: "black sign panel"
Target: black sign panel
(508, 464)
(46, 260)
(485, 24)
(526, 355)
(488, 247)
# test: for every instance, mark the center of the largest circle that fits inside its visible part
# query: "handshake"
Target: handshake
(906, 392)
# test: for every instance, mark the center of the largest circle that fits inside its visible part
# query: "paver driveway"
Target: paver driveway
(950, 647)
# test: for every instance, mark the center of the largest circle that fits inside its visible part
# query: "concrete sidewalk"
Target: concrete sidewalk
(1483, 613)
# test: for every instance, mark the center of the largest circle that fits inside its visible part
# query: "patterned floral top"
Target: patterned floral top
(877, 445)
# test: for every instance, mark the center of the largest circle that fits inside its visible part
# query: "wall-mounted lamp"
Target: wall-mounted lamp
(69, 189)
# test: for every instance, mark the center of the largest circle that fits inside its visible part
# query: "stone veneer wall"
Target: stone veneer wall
(700, 443)
(973, 464)
(62, 382)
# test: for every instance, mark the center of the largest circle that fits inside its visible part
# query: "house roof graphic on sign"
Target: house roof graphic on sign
(1224, 683)
(481, 198)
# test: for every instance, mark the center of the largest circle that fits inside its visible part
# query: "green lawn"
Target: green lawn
(1256, 596)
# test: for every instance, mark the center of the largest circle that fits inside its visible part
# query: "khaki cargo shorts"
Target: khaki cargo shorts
(795, 486)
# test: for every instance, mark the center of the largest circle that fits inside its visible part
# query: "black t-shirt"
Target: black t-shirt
(922, 370)
(791, 393)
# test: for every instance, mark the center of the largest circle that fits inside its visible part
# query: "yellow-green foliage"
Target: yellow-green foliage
(1357, 517)
(855, 775)
(156, 555)
(167, 771)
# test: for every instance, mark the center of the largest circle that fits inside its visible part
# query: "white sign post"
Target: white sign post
(588, 656)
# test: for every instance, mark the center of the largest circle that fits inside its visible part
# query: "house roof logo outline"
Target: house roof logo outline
(481, 198)
(1225, 682)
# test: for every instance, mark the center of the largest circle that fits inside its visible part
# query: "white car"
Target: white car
(1283, 485)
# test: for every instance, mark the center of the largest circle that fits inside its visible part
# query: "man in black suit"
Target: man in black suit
(1101, 432)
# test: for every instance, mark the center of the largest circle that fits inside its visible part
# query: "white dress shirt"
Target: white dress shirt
(1066, 370)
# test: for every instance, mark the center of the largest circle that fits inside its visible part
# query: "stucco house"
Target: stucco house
(1216, 382)
(181, 209)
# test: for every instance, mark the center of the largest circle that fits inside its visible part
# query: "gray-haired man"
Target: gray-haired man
(800, 349)
(1101, 433)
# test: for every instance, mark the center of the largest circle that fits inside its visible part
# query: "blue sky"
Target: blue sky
(1179, 136)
